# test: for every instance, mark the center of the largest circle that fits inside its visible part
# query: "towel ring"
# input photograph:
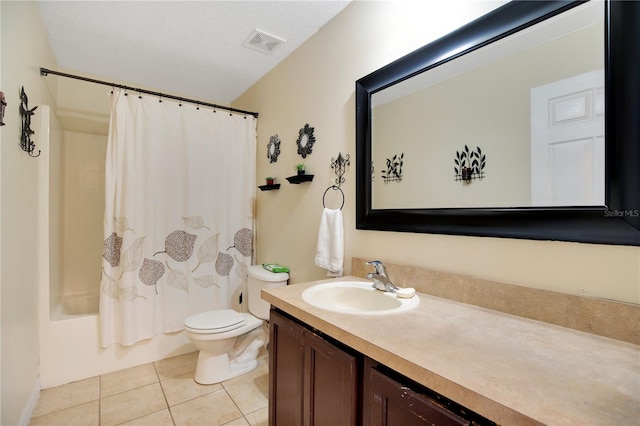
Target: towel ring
(334, 187)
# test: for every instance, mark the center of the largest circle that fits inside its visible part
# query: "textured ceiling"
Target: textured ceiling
(192, 48)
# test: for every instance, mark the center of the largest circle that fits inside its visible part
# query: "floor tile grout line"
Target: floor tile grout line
(234, 402)
(143, 416)
(72, 406)
(99, 400)
(166, 400)
(158, 381)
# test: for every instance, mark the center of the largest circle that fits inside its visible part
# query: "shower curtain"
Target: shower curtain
(178, 223)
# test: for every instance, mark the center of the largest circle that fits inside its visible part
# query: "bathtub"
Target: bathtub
(71, 306)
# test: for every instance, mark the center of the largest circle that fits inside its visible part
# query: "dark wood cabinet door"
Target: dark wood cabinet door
(392, 404)
(286, 365)
(330, 384)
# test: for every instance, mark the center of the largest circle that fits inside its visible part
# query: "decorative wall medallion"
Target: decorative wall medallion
(469, 164)
(273, 148)
(305, 141)
(393, 173)
(25, 113)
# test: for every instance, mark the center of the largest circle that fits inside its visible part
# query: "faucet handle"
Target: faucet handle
(378, 266)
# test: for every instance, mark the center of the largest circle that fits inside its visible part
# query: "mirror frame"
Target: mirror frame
(617, 222)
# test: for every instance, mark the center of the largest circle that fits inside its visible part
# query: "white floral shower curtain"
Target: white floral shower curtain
(179, 187)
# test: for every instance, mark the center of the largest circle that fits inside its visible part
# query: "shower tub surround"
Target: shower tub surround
(69, 322)
(510, 369)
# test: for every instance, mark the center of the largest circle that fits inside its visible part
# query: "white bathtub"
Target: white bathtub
(72, 306)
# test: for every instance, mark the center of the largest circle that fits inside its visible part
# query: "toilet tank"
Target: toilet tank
(258, 279)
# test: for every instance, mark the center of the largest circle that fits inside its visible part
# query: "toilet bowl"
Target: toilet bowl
(229, 341)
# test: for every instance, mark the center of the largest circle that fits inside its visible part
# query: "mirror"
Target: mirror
(305, 141)
(532, 161)
(273, 148)
(449, 110)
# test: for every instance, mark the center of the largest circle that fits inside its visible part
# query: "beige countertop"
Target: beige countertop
(509, 369)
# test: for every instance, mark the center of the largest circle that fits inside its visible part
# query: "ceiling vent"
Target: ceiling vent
(263, 42)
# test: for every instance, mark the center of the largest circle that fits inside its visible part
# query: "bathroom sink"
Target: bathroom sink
(356, 298)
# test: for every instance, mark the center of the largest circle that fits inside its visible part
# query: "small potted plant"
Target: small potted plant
(269, 180)
(299, 168)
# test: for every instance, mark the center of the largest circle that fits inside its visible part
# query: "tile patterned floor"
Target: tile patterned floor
(157, 394)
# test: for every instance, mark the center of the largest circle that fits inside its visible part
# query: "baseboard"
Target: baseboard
(25, 418)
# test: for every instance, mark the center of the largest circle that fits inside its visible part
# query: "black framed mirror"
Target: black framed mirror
(613, 219)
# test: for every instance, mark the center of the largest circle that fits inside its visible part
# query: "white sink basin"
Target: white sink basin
(356, 298)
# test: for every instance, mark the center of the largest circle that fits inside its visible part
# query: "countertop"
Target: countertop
(509, 369)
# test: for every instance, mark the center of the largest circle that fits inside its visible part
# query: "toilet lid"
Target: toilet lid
(217, 321)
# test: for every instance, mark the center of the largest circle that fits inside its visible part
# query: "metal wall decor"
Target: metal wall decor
(469, 164)
(273, 148)
(305, 141)
(3, 106)
(26, 143)
(393, 173)
(339, 166)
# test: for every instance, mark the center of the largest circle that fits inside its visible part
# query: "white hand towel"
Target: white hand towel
(330, 250)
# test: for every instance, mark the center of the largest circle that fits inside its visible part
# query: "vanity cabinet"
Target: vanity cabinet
(312, 381)
(392, 401)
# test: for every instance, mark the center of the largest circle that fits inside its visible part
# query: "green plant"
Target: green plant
(299, 167)
(269, 180)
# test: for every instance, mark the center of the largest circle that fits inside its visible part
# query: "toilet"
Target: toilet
(229, 341)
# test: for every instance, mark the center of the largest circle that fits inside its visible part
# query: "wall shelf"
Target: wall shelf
(297, 179)
(269, 187)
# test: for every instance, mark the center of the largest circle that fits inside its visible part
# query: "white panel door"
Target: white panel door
(567, 142)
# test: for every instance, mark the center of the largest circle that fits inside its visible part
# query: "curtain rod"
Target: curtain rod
(45, 72)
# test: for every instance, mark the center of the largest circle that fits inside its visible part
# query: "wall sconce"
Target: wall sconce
(469, 164)
(339, 166)
(25, 113)
(3, 106)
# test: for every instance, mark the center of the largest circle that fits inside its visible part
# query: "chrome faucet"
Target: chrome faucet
(380, 278)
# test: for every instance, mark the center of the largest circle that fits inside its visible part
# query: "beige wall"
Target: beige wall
(0, 230)
(24, 49)
(315, 85)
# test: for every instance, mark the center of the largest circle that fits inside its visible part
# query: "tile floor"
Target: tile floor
(159, 393)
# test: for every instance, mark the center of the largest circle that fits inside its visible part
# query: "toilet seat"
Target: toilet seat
(213, 322)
